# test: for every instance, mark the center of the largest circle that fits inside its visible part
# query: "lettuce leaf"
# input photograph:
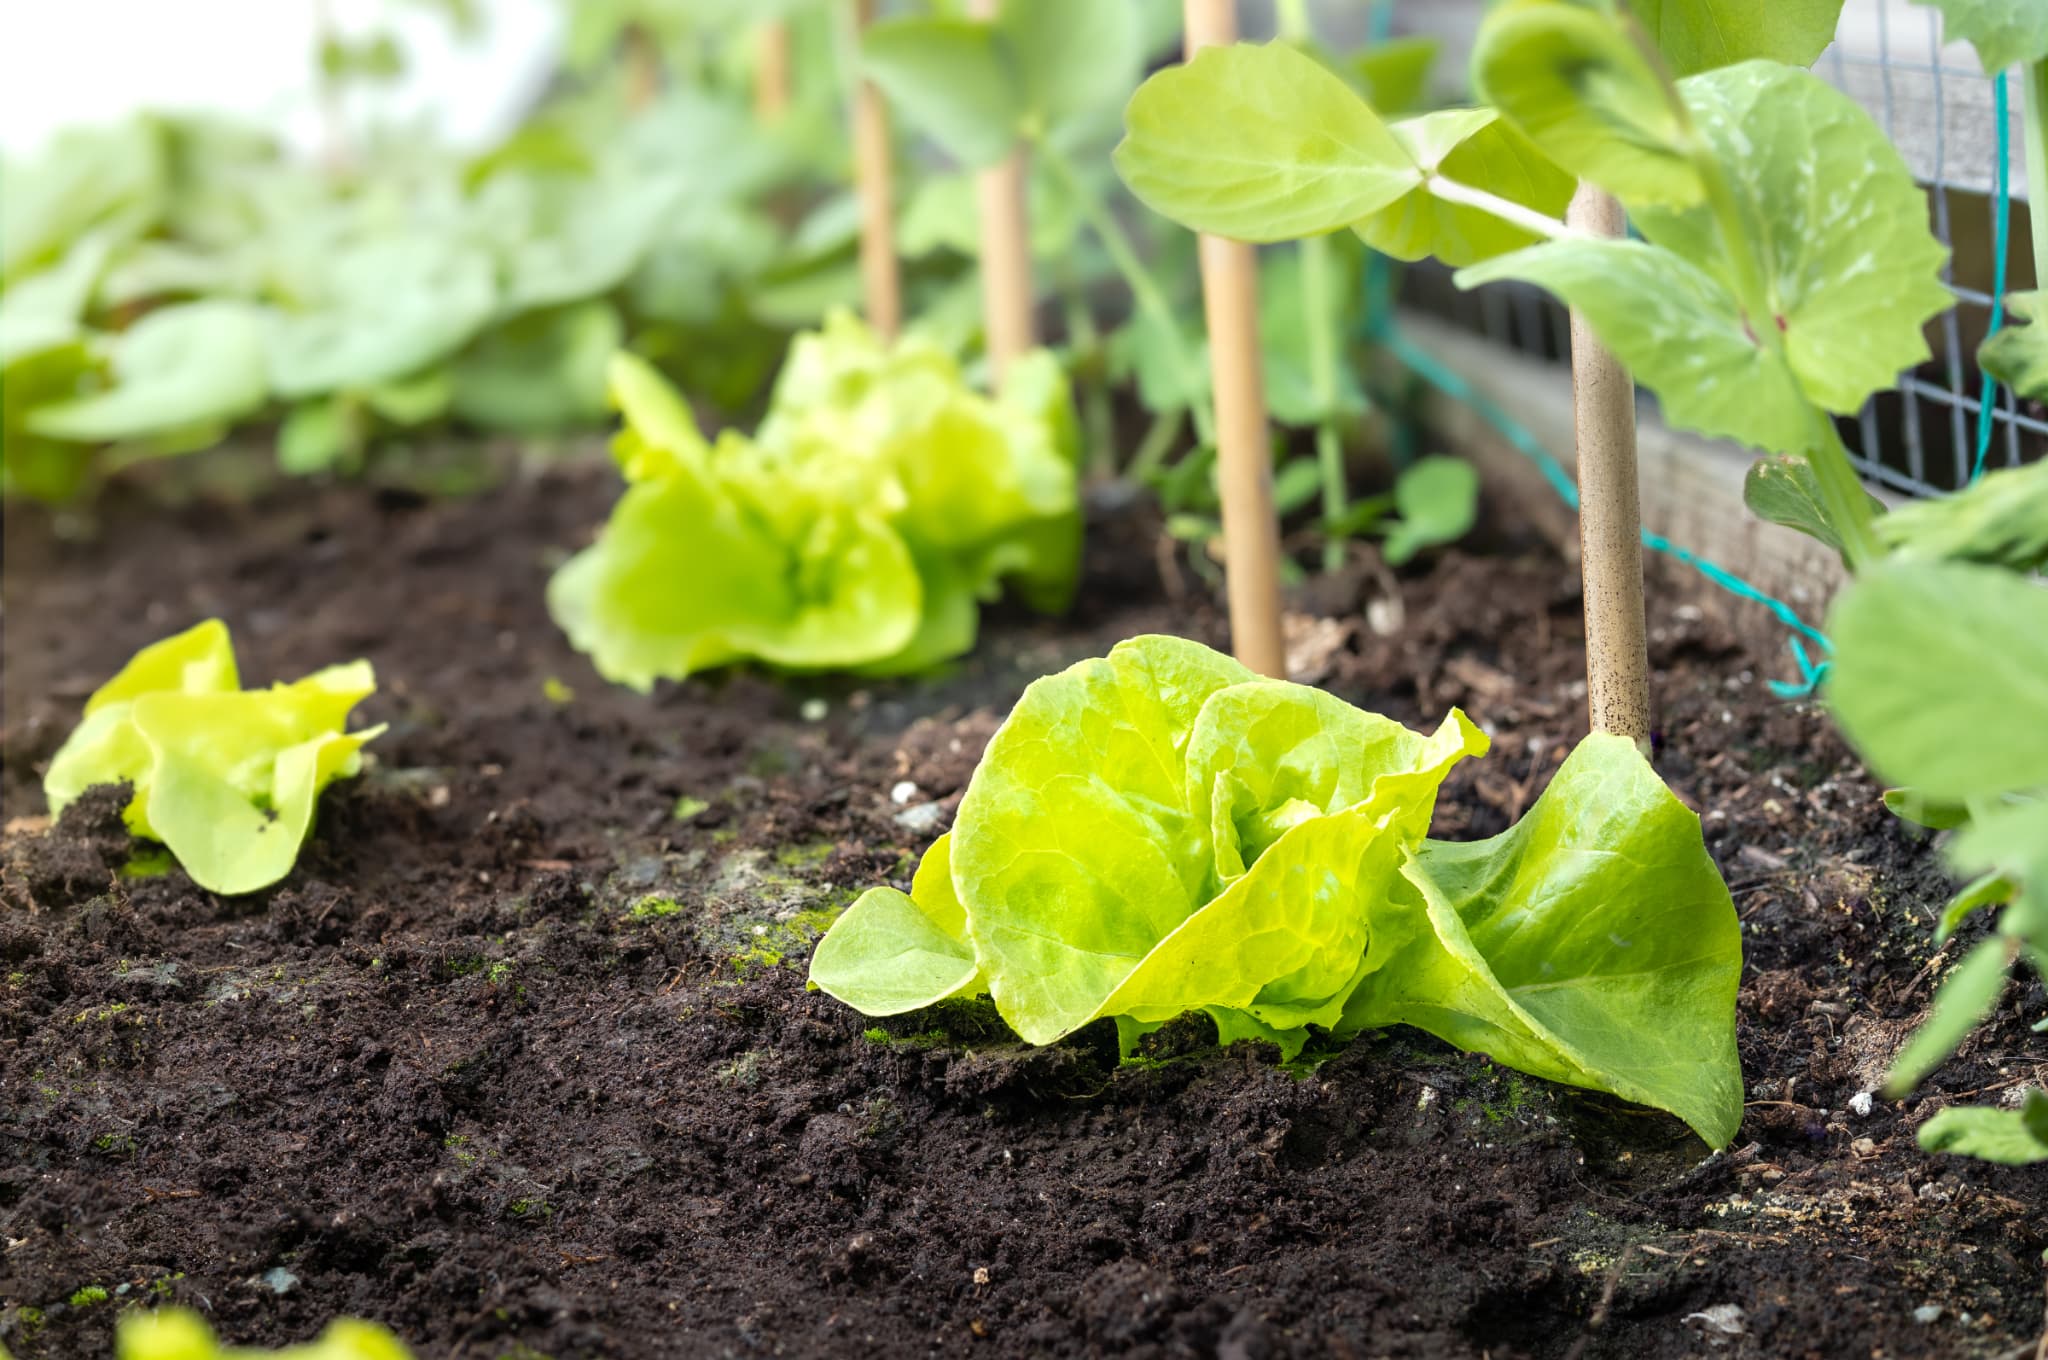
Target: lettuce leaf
(227, 778)
(181, 1334)
(1161, 831)
(880, 503)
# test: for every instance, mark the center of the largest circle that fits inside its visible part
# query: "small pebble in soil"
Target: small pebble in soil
(923, 817)
(1723, 1319)
(903, 792)
(813, 710)
(1927, 1313)
(1859, 1104)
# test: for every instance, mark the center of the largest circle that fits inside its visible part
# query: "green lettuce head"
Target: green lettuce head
(1162, 831)
(225, 777)
(180, 1334)
(881, 503)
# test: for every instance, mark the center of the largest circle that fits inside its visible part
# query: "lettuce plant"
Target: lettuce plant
(880, 503)
(180, 1334)
(1161, 831)
(226, 778)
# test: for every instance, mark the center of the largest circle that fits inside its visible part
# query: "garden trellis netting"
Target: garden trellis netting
(1943, 113)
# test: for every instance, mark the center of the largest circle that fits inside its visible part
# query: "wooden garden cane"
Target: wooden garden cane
(871, 170)
(1230, 300)
(771, 72)
(1007, 297)
(1610, 512)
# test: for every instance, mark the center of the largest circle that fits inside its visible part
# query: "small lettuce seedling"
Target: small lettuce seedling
(880, 503)
(1162, 831)
(180, 1334)
(225, 777)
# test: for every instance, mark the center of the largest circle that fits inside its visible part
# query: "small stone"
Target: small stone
(981, 1274)
(1863, 1147)
(1723, 1319)
(1859, 1104)
(280, 1280)
(903, 792)
(1927, 1313)
(814, 710)
(923, 817)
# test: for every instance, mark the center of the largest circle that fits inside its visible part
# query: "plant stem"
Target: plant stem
(1506, 209)
(1314, 253)
(1157, 443)
(2034, 91)
(1146, 293)
(1841, 493)
(1084, 341)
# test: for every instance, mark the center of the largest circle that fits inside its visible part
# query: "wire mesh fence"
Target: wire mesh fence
(1942, 112)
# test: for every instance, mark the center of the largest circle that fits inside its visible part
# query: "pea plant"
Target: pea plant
(1162, 831)
(226, 778)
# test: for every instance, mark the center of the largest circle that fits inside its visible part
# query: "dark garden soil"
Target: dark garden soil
(520, 1060)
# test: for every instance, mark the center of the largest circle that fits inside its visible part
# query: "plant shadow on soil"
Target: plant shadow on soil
(520, 1060)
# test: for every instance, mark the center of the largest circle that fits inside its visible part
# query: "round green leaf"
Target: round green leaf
(2004, 32)
(1699, 35)
(1260, 143)
(952, 80)
(194, 366)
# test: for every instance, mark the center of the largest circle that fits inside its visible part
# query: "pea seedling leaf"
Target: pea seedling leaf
(1783, 490)
(1260, 143)
(1438, 501)
(2001, 519)
(1475, 147)
(1395, 74)
(1574, 80)
(1700, 35)
(2004, 32)
(1926, 700)
(1070, 56)
(2011, 1137)
(951, 78)
(2018, 355)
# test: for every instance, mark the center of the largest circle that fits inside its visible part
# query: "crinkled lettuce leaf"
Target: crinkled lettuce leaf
(1161, 831)
(181, 1334)
(227, 778)
(880, 504)
(1592, 943)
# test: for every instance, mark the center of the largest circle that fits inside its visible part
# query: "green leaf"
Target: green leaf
(180, 1334)
(1678, 331)
(197, 365)
(540, 373)
(1988, 890)
(2001, 519)
(113, 178)
(2018, 354)
(580, 238)
(2004, 32)
(1909, 805)
(1438, 502)
(1962, 1001)
(952, 80)
(2011, 1137)
(1784, 491)
(1835, 223)
(52, 470)
(1261, 143)
(1395, 74)
(226, 778)
(316, 435)
(1592, 943)
(1838, 231)
(1470, 146)
(413, 401)
(1699, 35)
(1574, 81)
(1071, 56)
(892, 952)
(1940, 678)
(386, 311)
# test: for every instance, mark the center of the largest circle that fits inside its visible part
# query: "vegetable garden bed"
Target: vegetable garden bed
(520, 1059)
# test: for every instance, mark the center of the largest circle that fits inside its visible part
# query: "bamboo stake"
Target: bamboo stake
(1230, 302)
(643, 69)
(771, 72)
(1006, 292)
(1610, 512)
(872, 175)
